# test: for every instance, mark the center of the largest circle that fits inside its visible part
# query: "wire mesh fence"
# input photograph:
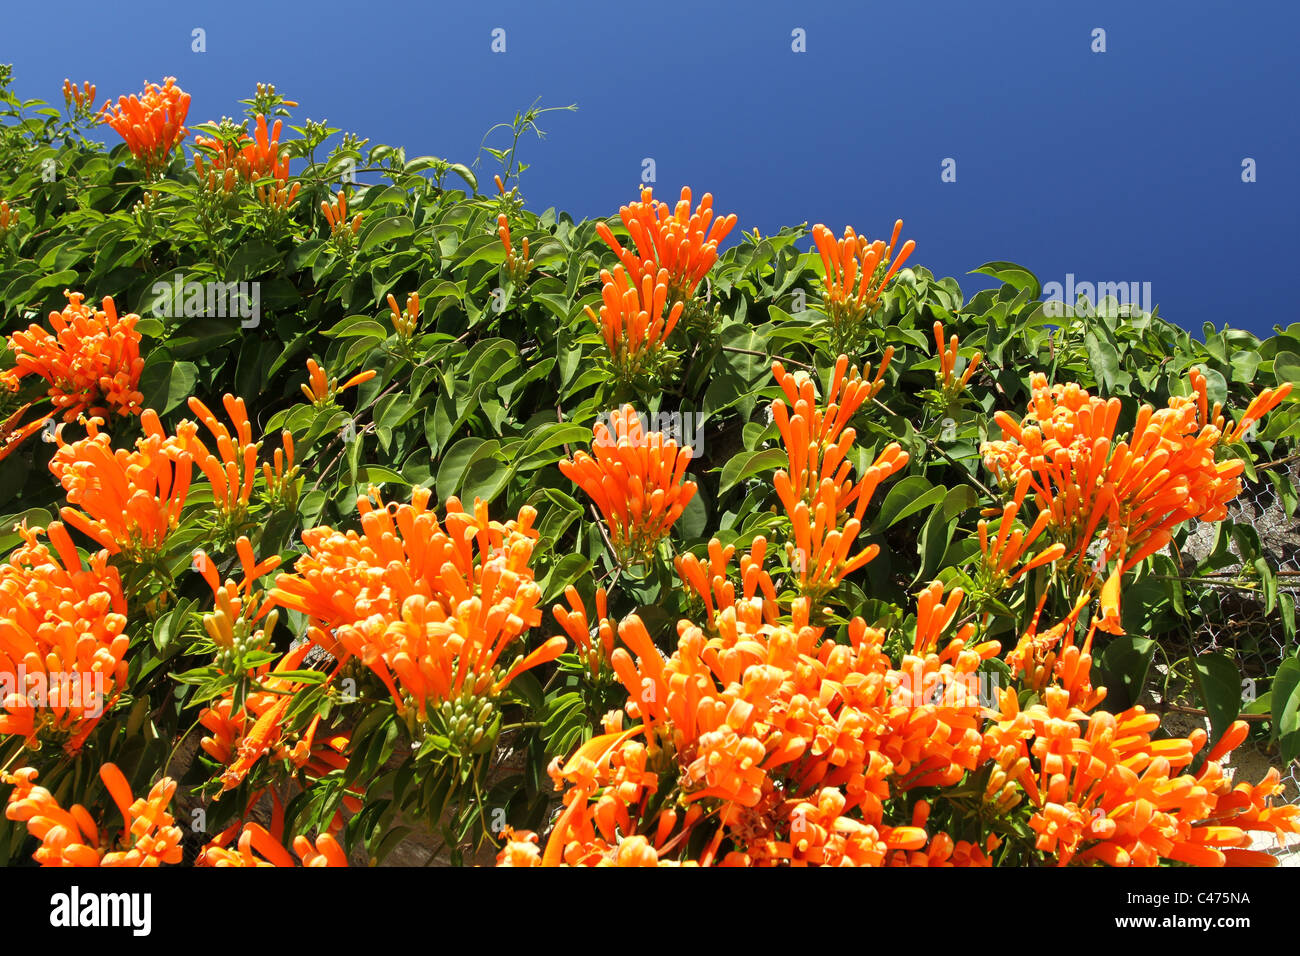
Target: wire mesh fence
(1234, 616)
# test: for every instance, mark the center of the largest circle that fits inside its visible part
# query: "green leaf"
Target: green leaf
(1013, 275)
(909, 496)
(1219, 684)
(747, 464)
(1124, 666)
(386, 230)
(1286, 708)
(165, 383)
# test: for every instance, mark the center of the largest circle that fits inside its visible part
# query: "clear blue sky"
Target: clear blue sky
(1120, 166)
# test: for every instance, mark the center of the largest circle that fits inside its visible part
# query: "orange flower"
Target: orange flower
(336, 214)
(1005, 548)
(856, 273)
(13, 434)
(254, 839)
(516, 268)
(673, 241)
(404, 322)
(636, 480)
(574, 622)
(282, 480)
(264, 156)
(62, 625)
(72, 838)
(8, 218)
(633, 323)
(238, 739)
(91, 360)
(233, 469)
(1132, 491)
(429, 608)
(948, 382)
(83, 96)
(795, 745)
(321, 391)
(709, 582)
(152, 124)
(818, 441)
(128, 502)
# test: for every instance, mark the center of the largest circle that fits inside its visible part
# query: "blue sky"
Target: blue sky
(1122, 166)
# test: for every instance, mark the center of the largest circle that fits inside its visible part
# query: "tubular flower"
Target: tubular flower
(152, 124)
(709, 581)
(1008, 546)
(796, 743)
(856, 273)
(336, 214)
(232, 471)
(948, 382)
(818, 441)
(1133, 492)
(13, 432)
(283, 482)
(321, 391)
(72, 837)
(517, 267)
(238, 607)
(633, 323)
(405, 321)
(429, 607)
(254, 839)
(1110, 794)
(62, 640)
(265, 158)
(574, 621)
(126, 501)
(8, 218)
(83, 97)
(637, 481)
(91, 360)
(677, 242)
(238, 739)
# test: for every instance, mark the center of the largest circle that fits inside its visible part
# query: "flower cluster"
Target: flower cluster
(63, 643)
(73, 838)
(517, 266)
(91, 359)
(430, 607)
(246, 159)
(8, 219)
(637, 480)
(1130, 491)
(596, 647)
(949, 384)
(126, 501)
(232, 471)
(342, 232)
(824, 505)
(633, 322)
(254, 839)
(239, 737)
(856, 273)
(741, 737)
(405, 320)
(673, 247)
(80, 98)
(152, 124)
(321, 390)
